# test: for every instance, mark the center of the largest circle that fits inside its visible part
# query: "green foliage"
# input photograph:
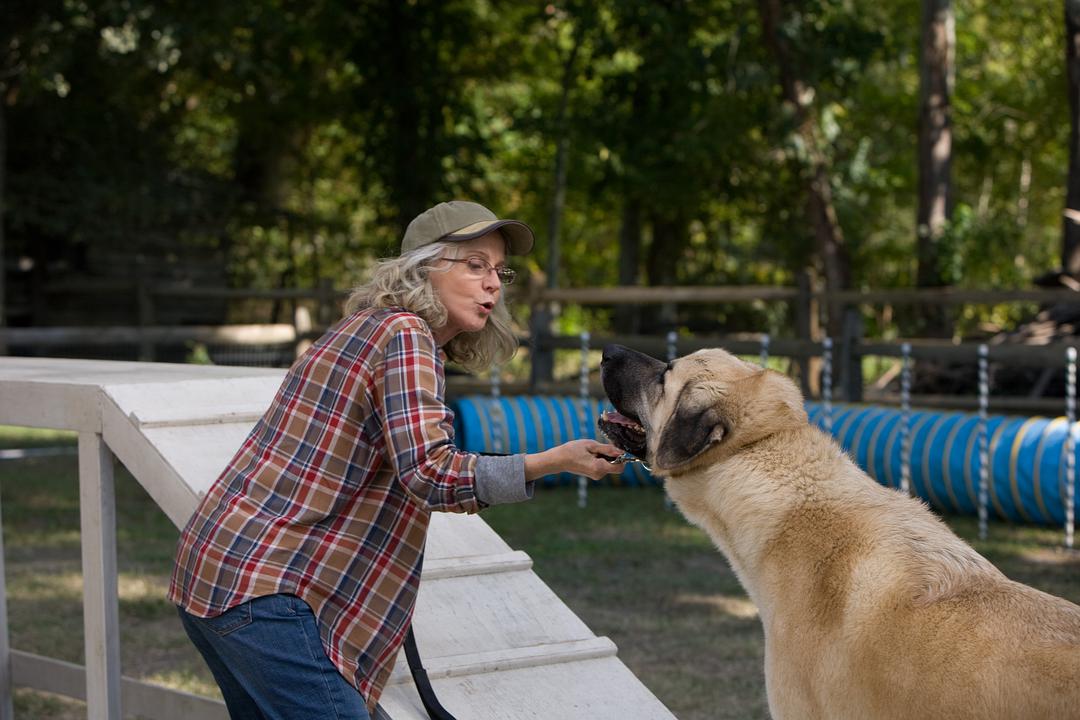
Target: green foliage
(294, 141)
(198, 354)
(995, 250)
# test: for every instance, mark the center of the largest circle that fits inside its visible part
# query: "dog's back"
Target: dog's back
(901, 618)
(994, 649)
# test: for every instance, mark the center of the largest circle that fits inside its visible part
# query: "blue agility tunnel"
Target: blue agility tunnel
(1026, 458)
(1026, 454)
(531, 423)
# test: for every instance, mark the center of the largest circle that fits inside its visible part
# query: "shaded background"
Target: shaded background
(271, 144)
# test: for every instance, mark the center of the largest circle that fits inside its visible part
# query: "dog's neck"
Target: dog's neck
(746, 520)
(836, 506)
(741, 520)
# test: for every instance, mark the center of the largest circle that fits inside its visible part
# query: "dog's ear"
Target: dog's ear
(688, 433)
(773, 404)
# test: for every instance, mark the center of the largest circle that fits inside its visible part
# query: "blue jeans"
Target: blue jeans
(268, 659)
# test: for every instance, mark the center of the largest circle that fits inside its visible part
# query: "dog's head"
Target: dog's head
(698, 408)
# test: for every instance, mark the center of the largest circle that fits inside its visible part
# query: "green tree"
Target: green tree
(665, 128)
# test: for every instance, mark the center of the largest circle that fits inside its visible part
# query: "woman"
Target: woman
(297, 576)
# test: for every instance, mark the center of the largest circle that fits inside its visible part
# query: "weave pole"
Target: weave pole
(672, 352)
(765, 341)
(905, 426)
(984, 439)
(497, 419)
(1070, 445)
(583, 388)
(826, 383)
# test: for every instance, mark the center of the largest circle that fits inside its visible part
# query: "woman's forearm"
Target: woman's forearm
(580, 457)
(542, 463)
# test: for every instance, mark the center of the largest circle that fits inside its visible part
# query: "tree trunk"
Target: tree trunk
(411, 186)
(936, 72)
(628, 317)
(3, 200)
(1070, 246)
(411, 116)
(669, 239)
(820, 212)
(558, 196)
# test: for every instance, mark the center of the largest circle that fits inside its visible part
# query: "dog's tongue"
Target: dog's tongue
(617, 417)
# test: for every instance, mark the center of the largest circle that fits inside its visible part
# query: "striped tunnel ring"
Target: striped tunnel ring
(1027, 455)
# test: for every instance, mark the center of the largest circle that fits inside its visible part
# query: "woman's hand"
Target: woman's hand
(580, 457)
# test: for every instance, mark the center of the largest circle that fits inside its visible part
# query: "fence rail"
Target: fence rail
(809, 304)
(617, 295)
(134, 335)
(624, 295)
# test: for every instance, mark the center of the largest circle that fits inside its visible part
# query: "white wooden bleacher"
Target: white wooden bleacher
(496, 641)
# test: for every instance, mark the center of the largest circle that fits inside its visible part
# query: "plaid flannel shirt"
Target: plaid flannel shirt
(330, 495)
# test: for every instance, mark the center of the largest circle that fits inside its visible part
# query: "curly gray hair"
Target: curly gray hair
(404, 282)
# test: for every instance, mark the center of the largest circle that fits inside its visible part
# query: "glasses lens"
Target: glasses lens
(506, 275)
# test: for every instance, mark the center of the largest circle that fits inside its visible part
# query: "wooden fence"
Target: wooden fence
(804, 347)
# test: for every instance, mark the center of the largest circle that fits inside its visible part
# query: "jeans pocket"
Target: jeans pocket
(230, 620)
(276, 607)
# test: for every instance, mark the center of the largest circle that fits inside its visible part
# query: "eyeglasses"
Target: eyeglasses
(479, 267)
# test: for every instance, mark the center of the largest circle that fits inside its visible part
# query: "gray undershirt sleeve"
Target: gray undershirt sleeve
(500, 479)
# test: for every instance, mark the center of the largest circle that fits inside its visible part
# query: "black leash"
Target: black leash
(434, 708)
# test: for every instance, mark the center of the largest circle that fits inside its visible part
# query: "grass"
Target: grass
(638, 573)
(42, 556)
(630, 568)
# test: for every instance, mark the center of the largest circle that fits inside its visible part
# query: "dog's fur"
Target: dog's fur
(872, 608)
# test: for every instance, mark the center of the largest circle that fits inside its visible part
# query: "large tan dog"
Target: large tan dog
(872, 608)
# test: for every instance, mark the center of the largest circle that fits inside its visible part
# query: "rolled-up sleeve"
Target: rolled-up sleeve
(501, 479)
(419, 428)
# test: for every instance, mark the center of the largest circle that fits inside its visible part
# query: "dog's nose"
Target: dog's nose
(613, 351)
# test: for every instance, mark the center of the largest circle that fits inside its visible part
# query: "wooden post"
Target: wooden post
(302, 325)
(850, 357)
(807, 326)
(144, 302)
(326, 310)
(542, 355)
(7, 709)
(101, 617)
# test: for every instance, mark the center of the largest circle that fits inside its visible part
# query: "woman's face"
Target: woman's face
(469, 290)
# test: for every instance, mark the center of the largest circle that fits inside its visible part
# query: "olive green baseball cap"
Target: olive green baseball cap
(460, 220)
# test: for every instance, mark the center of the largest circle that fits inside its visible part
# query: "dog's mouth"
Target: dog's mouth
(624, 432)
